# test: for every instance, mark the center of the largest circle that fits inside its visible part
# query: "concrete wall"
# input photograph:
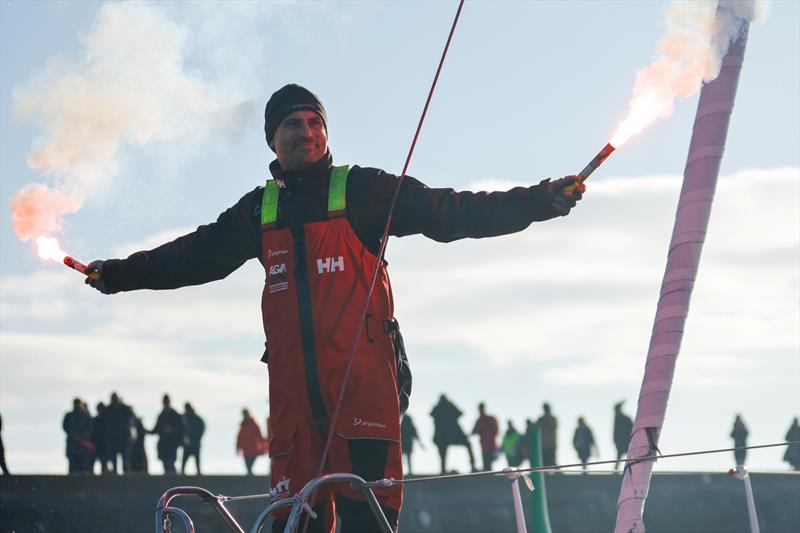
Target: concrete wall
(677, 502)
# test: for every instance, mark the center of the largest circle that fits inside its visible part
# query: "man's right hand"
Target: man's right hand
(94, 277)
(565, 193)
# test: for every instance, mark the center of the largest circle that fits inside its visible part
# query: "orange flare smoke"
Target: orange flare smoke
(49, 249)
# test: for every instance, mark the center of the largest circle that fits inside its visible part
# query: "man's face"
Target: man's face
(300, 140)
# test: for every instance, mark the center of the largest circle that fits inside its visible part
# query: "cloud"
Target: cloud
(592, 279)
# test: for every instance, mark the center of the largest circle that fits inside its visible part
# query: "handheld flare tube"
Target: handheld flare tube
(80, 267)
(601, 156)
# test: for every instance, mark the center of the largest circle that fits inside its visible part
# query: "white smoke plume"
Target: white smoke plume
(689, 53)
(129, 87)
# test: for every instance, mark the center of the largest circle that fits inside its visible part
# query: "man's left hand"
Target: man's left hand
(564, 200)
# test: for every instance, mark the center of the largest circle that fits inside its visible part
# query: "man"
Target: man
(739, 435)
(120, 420)
(101, 439)
(792, 453)
(408, 434)
(316, 230)
(623, 425)
(583, 441)
(487, 428)
(77, 425)
(549, 425)
(138, 452)
(447, 431)
(169, 428)
(194, 427)
(511, 444)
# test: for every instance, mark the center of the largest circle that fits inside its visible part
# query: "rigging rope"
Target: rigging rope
(382, 248)
(389, 482)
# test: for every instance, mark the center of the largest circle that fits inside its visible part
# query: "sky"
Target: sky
(561, 312)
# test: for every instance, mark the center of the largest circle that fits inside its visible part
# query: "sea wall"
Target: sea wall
(689, 502)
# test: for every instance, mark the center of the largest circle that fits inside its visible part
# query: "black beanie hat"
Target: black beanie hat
(286, 101)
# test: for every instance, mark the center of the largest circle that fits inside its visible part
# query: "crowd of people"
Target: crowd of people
(516, 445)
(113, 439)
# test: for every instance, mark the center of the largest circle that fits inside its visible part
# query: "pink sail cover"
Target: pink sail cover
(691, 220)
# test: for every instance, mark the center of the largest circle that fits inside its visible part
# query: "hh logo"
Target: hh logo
(330, 264)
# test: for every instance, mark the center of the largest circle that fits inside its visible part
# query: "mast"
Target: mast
(691, 220)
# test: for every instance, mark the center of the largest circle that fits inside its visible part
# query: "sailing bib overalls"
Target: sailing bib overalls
(317, 278)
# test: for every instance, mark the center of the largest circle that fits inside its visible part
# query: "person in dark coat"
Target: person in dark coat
(792, 453)
(623, 426)
(77, 425)
(739, 435)
(408, 434)
(3, 466)
(583, 441)
(119, 425)
(169, 428)
(194, 427)
(138, 452)
(549, 425)
(101, 440)
(447, 432)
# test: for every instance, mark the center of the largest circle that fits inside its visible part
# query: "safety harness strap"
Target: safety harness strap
(337, 191)
(337, 197)
(269, 203)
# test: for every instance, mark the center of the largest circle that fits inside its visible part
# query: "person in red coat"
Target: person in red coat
(487, 428)
(249, 441)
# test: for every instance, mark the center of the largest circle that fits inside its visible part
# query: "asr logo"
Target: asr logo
(330, 265)
(277, 279)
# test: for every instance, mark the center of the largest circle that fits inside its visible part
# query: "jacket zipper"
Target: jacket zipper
(307, 325)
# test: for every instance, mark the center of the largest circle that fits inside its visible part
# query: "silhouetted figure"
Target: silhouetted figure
(169, 428)
(194, 427)
(548, 424)
(447, 432)
(512, 440)
(408, 434)
(623, 426)
(100, 438)
(138, 452)
(526, 442)
(583, 441)
(739, 436)
(486, 428)
(119, 425)
(249, 441)
(77, 425)
(792, 453)
(3, 466)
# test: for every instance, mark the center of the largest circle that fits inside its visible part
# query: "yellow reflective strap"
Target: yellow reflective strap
(269, 203)
(337, 189)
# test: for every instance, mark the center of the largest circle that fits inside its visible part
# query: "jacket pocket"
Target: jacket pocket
(282, 443)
